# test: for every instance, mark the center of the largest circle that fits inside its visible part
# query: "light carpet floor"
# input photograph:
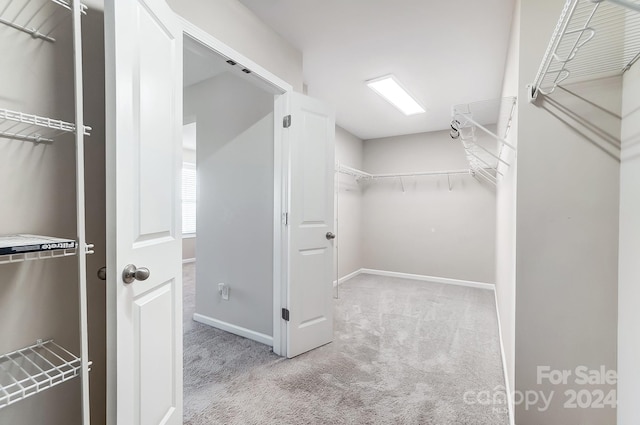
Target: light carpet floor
(404, 352)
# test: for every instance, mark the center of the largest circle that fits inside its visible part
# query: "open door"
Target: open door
(144, 275)
(311, 134)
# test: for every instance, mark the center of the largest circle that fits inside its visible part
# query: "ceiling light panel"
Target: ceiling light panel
(390, 89)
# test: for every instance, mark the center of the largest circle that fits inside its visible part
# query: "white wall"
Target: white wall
(235, 200)
(189, 155)
(629, 288)
(235, 25)
(567, 229)
(348, 204)
(189, 249)
(428, 229)
(506, 211)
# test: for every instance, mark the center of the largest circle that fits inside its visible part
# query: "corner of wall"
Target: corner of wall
(506, 219)
(629, 246)
(348, 205)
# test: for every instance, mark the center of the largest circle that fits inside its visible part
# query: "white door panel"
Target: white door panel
(154, 327)
(310, 301)
(144, 123)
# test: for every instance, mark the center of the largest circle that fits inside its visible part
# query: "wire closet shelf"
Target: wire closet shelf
(364, 176)
(483, 127)
(34, 369)
(38, 18)
(593, 38)
(42, 255)
(21, 126)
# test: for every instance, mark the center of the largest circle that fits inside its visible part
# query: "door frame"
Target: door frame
(280, 175)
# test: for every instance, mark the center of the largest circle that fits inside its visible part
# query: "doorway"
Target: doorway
(228, 153)
(230, 114)
(144, 164)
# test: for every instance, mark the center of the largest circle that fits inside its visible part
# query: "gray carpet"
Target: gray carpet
(405, 352)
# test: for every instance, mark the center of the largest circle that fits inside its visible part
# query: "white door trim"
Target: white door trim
(280, 240)
(280, 257)
(213, 43)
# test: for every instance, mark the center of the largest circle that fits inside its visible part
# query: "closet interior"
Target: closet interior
(43, 304)
(398, 211)
(482, 127)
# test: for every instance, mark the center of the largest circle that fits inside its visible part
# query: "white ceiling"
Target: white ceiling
(444, 52)
(201, 63)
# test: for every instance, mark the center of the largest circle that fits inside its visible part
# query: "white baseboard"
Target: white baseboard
(237, 330)
(445, 280)
(350, 276)
(507, 387)
(188, 260)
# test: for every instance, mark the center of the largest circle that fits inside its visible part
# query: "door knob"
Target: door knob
(102, 273)
(330, 235)
(131, 273)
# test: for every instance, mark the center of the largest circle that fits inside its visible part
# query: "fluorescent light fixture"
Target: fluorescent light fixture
(391, 90)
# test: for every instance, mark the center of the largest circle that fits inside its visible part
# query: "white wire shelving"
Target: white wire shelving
(19, 248)
(42, 255)
(38, 18)
(354, 172)
(483, 127)
(593, 38)
(33, 369)
(21, 126)
(364, 176)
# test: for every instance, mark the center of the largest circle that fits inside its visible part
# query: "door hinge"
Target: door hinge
(286, 121)
(285, 219)
(285, 314)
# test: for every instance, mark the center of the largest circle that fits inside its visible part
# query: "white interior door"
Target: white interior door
(311, 156)
(144, 123)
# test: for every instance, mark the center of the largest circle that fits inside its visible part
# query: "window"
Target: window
(188, 198)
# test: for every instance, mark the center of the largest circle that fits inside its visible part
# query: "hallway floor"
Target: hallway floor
(404, 352)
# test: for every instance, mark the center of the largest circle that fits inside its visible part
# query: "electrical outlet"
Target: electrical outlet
(223, 290)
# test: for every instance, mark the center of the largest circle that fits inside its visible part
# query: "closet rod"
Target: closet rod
(27, 20)
(31, 31)
(485, 174)
(423, 173)
(474, 160)
(368, 176)
(351, 171)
